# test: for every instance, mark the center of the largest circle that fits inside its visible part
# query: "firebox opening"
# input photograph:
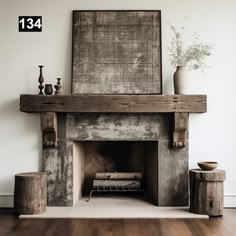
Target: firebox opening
(91, 157)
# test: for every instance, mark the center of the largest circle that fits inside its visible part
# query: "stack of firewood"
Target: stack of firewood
(117, 181)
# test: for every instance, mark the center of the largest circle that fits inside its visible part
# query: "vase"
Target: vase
(48, 89)
(181, 80)
(58, 87)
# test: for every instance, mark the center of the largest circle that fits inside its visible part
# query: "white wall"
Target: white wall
(211, 134)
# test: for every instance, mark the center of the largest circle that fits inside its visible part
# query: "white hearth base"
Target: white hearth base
(115, 207)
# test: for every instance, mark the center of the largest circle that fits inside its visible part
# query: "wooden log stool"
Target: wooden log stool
(207, 192)
(30, 193)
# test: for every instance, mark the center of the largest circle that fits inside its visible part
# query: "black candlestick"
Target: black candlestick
(41, 80)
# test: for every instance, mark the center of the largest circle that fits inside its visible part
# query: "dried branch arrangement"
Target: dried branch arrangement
(194, 56)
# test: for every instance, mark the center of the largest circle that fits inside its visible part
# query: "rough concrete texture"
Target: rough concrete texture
(172, 187)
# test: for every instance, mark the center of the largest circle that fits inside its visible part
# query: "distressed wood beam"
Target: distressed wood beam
(114, 103)
(49, 128)
(180, 129)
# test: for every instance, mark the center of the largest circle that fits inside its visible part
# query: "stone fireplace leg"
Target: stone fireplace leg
(172, 175)
(58, 163)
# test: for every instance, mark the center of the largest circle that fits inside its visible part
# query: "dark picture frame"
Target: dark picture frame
(116, 52)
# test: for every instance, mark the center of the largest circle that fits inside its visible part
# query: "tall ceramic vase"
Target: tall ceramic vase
(181, 80)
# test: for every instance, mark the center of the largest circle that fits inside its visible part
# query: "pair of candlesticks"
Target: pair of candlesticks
(48, 87)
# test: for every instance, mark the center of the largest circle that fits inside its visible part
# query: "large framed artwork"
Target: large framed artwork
(116, 52)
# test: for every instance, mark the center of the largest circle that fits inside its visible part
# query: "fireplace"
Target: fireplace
(90, 143)
(69, 121)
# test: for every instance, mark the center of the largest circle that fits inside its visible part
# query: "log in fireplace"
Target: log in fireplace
(117, 182)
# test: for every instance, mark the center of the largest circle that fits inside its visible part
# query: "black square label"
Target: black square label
(30, 23)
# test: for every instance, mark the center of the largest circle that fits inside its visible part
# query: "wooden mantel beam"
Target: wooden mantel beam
(114, 103)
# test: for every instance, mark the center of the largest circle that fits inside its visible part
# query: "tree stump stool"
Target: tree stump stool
(30, 193)
(207, 192)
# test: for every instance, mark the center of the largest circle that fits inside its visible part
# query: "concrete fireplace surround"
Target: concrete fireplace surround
(169, 172)
(75, 126)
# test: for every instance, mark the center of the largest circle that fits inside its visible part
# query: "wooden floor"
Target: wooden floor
(11, 225)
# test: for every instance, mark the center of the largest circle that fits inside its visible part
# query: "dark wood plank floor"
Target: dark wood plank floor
(216, 226)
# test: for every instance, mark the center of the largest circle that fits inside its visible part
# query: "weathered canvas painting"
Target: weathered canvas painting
(116, 52)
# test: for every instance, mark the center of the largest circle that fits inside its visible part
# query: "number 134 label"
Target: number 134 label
(30, 23)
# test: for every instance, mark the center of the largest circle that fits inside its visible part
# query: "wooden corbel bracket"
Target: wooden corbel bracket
(49, 128)
(180, 129)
